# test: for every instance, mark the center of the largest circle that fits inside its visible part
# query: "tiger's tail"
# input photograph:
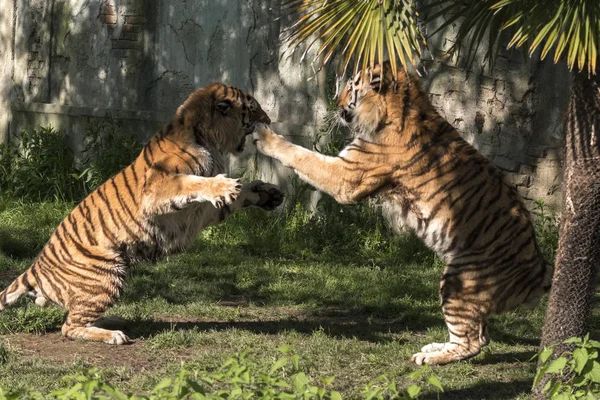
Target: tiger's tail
(18, 288)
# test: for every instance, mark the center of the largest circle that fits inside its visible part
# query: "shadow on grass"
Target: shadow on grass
(361, 328)
(514, 339)
(21, 243)
(487, 390)
(510, 357)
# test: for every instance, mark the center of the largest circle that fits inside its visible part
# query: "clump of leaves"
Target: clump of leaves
(574, 374)
(37, 165)
(547, 228)
(383, 388)
(106, 151)
(239, 377)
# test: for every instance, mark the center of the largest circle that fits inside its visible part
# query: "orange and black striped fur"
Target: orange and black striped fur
(153, 207)
(433, 182)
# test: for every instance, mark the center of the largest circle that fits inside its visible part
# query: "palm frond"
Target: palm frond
(361, 31)
(475, 18)
(570, 27)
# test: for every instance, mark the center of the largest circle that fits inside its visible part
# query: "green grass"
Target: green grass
(352, 299)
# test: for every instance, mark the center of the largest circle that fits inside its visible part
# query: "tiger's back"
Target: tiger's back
(461, 206)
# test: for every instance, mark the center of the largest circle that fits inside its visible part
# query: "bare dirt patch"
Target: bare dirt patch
(53, 347)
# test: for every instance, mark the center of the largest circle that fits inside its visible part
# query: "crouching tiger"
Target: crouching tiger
(433, 182)
(155, 206)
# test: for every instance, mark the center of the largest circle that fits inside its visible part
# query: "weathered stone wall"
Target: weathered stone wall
(513, 113)
(67, 62)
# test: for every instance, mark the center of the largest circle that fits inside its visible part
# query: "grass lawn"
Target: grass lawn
(353, 300)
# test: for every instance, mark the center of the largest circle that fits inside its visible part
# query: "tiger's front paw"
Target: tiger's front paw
(264, 139)
(224, 190)
(265, 195)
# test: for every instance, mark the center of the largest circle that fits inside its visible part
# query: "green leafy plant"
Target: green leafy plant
(383, 388)
(571, 28)
(38, 165)
(574, 374)
(239, 377)
(106, 152)
(547, 228)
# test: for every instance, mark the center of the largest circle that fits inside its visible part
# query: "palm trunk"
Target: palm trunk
(578, 256)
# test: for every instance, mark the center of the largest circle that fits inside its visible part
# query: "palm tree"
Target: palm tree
(362, 30)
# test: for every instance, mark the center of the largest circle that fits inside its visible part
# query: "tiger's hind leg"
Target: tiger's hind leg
(80, 324)
(465, 316)
(39, 299)
(465, 342)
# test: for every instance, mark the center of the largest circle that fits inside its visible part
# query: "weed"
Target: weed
(4, 353)
(574, 374)
(239, 377)
(547, 228)
(31, 319)
(38, 165)
(106, 152)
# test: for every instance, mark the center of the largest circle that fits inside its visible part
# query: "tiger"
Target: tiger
(154, 207)
(429, 180)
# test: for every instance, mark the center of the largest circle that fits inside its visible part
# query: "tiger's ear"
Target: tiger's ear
(374, 77)
(381, 76)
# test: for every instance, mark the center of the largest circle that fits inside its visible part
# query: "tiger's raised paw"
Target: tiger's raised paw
(264, 138)
(266, 196)
(225, 190)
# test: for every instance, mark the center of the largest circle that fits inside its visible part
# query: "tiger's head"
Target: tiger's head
(221, 116)
(374, 99)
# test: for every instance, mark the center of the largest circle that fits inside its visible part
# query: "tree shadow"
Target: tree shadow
(487, 390)
(359, 327)
(509, 357)
(21, 243)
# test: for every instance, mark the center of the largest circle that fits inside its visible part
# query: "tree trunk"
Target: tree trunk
(578, 256)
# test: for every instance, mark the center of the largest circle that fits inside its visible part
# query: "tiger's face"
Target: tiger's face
(222, 115)
(362, 104)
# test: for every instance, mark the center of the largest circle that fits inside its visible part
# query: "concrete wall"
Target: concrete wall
(67, 62)
(513, 113)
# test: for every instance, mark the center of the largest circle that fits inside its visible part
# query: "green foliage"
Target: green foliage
(106, 152)
(39, 165)
(382, 387)
(361, 30)
(31, 319)
(4, 353)
(574, 374)
(571, 28)
(547, 228)
(239, 377)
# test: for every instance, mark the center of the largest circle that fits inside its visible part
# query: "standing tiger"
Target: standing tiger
(153, 207)
(433, 182)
